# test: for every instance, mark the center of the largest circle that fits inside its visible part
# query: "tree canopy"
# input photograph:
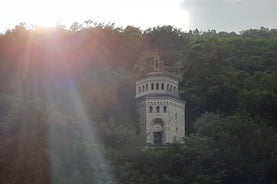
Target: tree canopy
(68, 109)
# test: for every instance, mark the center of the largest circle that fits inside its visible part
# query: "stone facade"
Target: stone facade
(162, 113)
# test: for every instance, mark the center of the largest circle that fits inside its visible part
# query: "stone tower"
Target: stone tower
(162, 112)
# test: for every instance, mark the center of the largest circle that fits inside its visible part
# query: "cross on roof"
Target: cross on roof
(158, 64)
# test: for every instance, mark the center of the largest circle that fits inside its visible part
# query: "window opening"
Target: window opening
(150, 109)
(158, 109)
(165, 109)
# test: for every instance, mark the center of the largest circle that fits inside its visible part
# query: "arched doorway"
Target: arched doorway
(158, 131)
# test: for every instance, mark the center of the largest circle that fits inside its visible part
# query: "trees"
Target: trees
(228, 81)
(24, 141)
(245, 146)
(259, 96)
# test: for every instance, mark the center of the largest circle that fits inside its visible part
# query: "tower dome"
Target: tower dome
(157, 82)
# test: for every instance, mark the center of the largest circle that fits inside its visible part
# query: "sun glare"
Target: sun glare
(42, 13)
(143, 13)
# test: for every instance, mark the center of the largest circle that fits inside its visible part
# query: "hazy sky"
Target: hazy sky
(222, 15)
(231, 15)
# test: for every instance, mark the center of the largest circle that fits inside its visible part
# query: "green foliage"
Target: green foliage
(24, 144)
(245, 146)
(68, 113)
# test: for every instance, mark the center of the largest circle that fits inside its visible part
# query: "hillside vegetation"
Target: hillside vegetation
(68, 109)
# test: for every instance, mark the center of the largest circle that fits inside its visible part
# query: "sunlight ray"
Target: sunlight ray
(80, 119)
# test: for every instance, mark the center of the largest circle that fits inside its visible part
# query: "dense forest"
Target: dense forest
(68, 110)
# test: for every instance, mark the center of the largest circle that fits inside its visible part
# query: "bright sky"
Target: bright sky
(139, 13)
(222, 15)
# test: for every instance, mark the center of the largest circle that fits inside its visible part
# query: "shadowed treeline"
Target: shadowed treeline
(68, 111)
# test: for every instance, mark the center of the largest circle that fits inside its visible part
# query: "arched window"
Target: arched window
(174, 89)
(152, 86)
(158, 109)
(162, 86)
(143, 88)
(146, 86)
(167, 87)
(165, 109)
(139, 89)
(157, 86)
(150, 109)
